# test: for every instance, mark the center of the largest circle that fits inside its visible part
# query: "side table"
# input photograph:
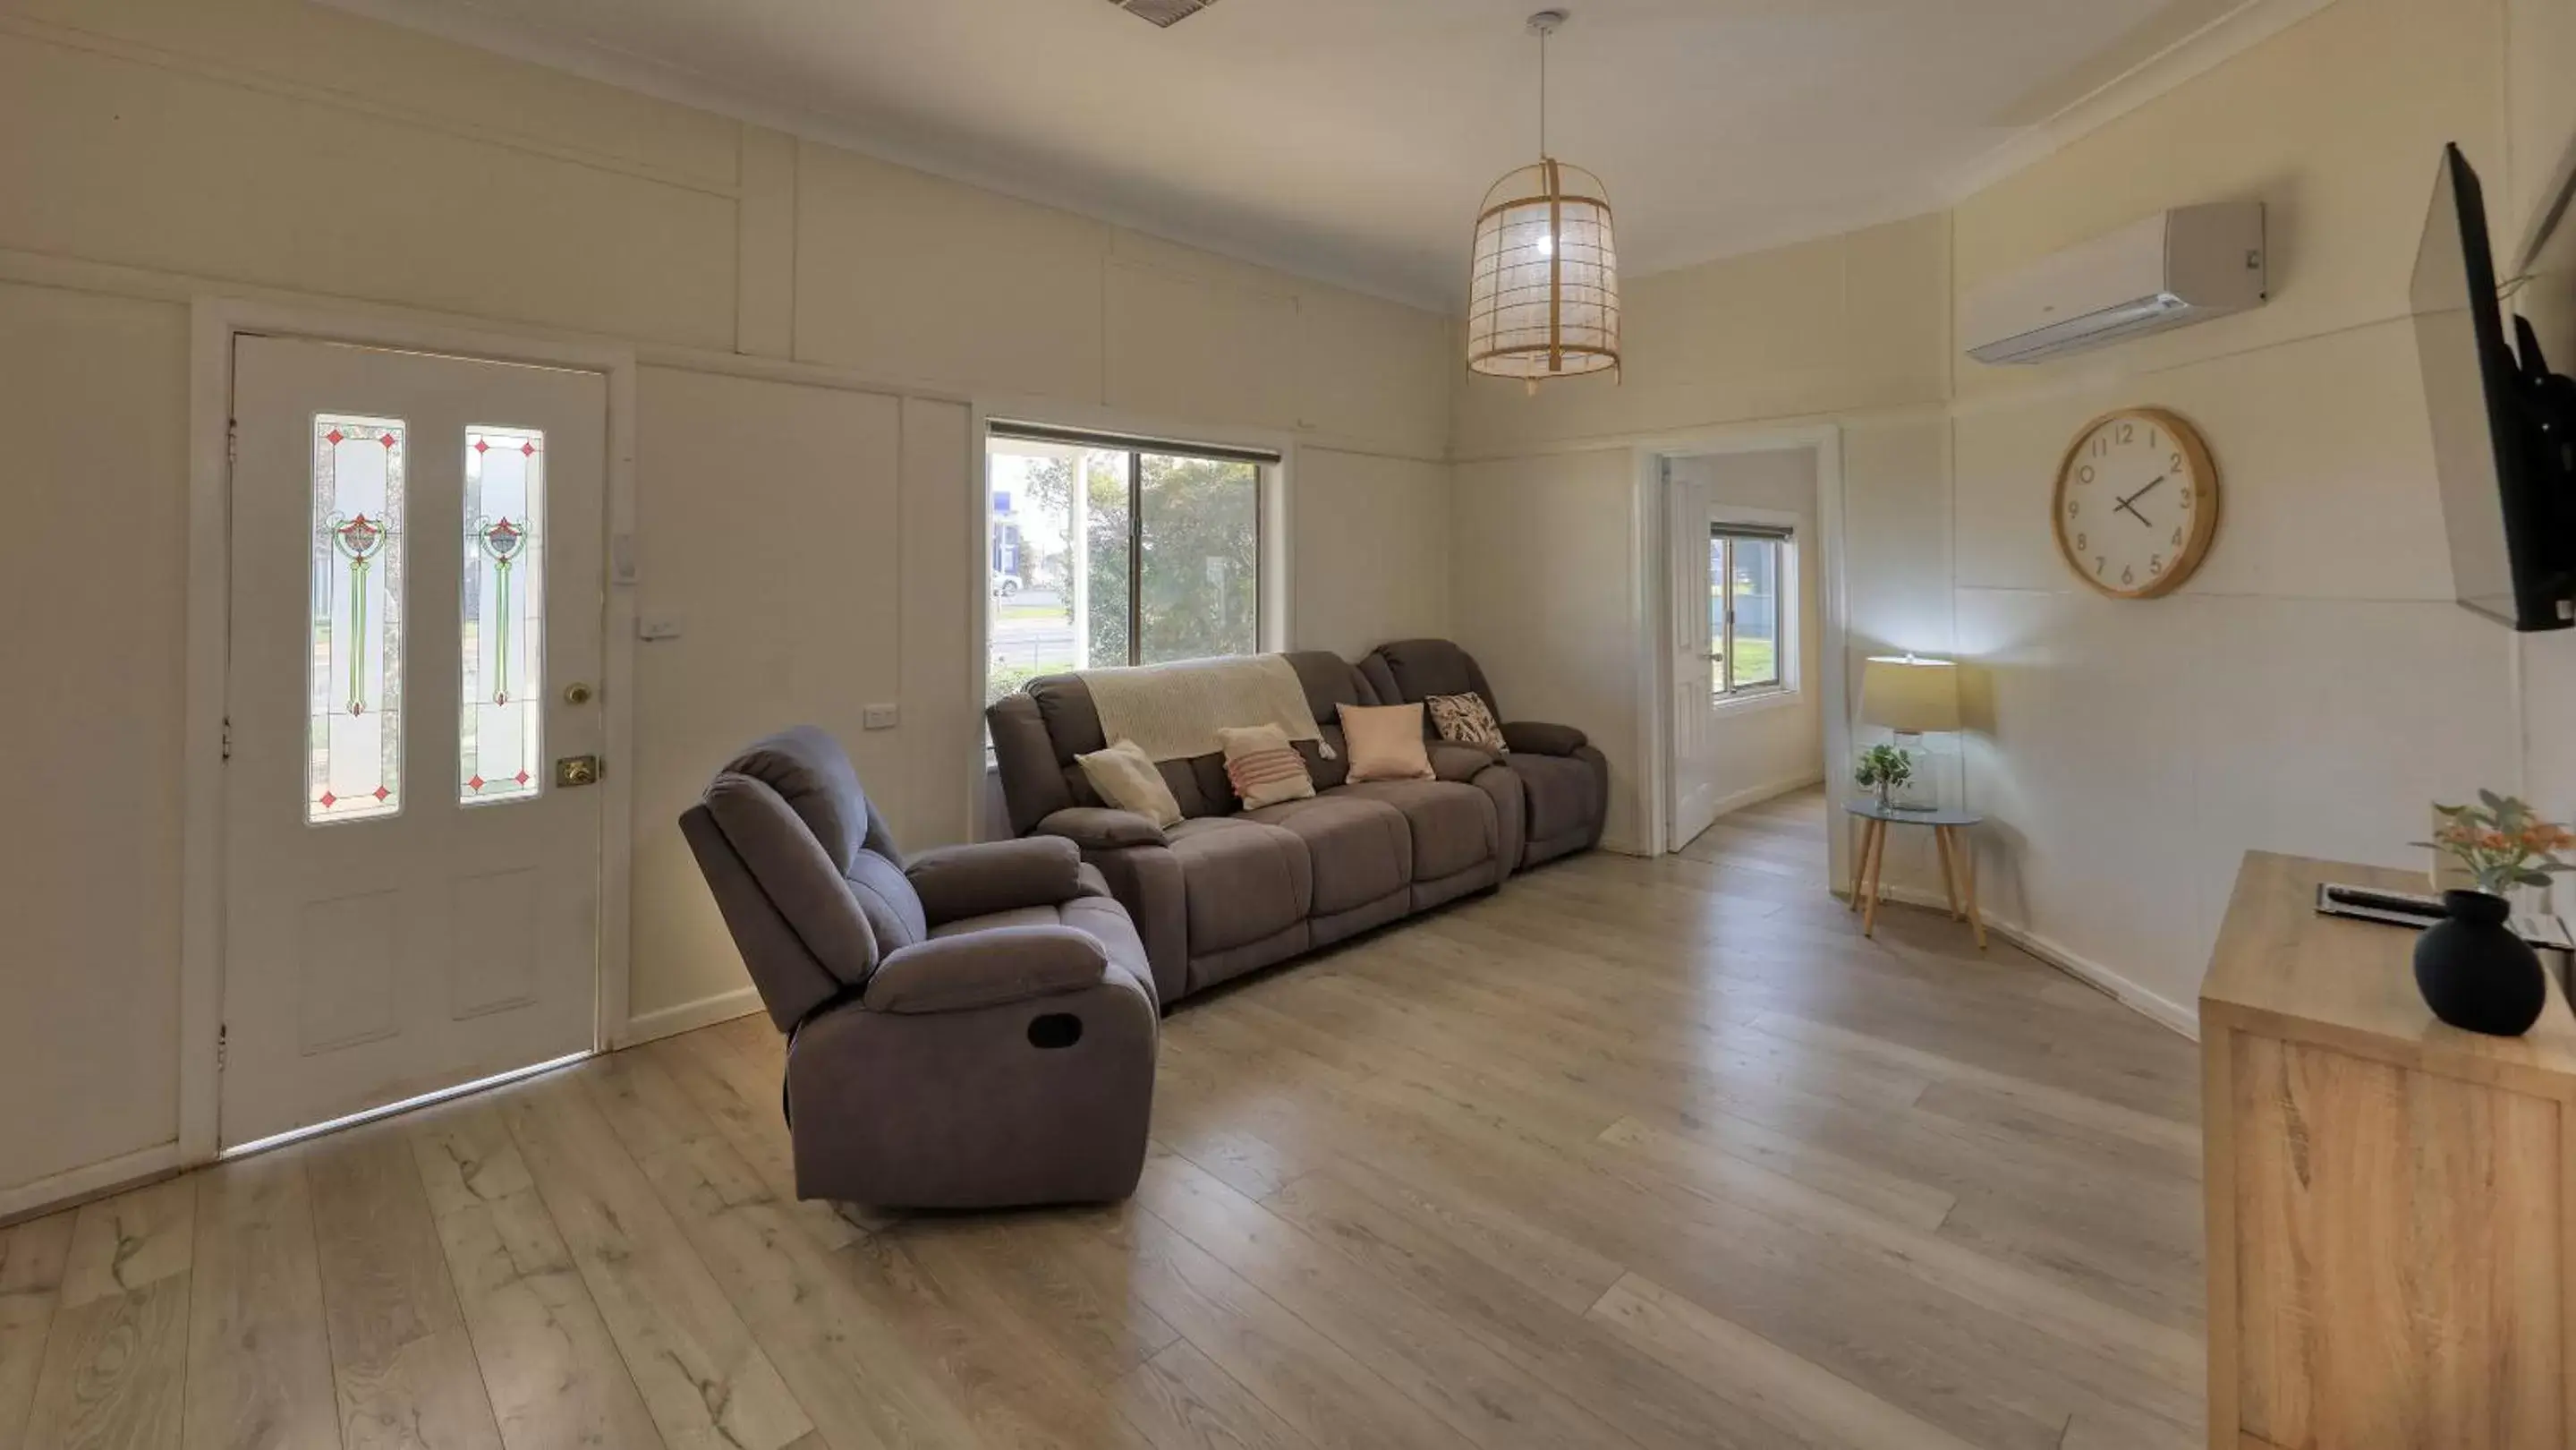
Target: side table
(1958, 859)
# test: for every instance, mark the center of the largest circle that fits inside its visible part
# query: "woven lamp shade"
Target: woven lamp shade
(1543, 299)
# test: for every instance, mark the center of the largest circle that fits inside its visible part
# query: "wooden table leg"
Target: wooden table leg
(1877, 877)
(1860, 861)
(1949, 874)
(1967, 853)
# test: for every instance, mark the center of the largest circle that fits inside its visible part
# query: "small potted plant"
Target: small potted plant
(2474, 970)
(1885, 769)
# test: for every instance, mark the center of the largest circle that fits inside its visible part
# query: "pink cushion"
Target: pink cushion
(1385, 742)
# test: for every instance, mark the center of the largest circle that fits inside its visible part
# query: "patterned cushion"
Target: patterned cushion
(1465, 720)
(1263, 767)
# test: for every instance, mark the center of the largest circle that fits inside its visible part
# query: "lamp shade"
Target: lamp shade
(1543, 296)
(1910, 696)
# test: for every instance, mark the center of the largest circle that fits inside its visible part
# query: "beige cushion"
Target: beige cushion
(1263, 767)
(1466, 720)
(1385, 742)
(1127, 779)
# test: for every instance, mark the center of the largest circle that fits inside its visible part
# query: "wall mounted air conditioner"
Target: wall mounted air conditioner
(2177, 267)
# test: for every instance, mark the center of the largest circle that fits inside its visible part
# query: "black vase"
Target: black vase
(2475, 972)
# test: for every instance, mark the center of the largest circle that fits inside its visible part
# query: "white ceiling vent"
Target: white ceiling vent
(1163, 12)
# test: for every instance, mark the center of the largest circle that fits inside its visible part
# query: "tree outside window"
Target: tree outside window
(1158, 559)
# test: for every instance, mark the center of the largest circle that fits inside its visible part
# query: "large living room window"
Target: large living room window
(1750, 597)
(1105, 550)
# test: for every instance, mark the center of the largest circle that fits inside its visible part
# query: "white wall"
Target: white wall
(813, 527)
(1851, 329)
(1769, 747)
(2313, 687)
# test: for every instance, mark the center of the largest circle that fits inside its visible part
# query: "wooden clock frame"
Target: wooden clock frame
(2204, 527)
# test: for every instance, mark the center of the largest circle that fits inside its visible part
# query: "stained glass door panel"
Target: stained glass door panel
(501, 729)
(355, 736)
(391, 582)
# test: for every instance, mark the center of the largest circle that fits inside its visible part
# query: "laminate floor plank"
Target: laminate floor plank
(32, 1257)
(401, 1364)
(115, 1372)
(686, 1348)
(131, 1241)
(1656, 1154)
(259, 1352)
(548, 1362)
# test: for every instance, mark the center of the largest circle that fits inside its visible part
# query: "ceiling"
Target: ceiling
(1353, 139)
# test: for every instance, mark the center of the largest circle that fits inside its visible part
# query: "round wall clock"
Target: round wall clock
(2136, 503)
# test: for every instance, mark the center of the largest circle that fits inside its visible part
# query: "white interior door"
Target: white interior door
(1694, 772)
(411, 887)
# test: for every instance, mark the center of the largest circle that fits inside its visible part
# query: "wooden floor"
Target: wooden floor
(1637, 1153)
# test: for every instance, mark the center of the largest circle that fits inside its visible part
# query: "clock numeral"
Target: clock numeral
(2155, 563)
(2128, 576)
(2153, 443)
(2128, 432)
(2186, 497)
(2177, 538)
(2082, 543)
(2097, 566)
(2073, 507)
(2084, 474)
(2174, 463)
(2101, 446)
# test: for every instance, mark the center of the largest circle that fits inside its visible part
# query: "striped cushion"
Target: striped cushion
(1263, 767)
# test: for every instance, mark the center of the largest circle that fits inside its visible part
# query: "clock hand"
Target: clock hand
(2129, 504)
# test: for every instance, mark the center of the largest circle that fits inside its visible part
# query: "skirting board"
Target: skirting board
(2155, 1008)
(1756, 795)
(688, 1016)
(94, 1180)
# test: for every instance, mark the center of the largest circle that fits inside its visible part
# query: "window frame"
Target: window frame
(1780, 532)
(1269, 563)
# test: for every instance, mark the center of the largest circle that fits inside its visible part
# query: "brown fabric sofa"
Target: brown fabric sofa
(973, 1029)
(1565, 781)
(1227, 891)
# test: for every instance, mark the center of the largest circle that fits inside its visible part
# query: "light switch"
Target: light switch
(660, 624)
(878, 717)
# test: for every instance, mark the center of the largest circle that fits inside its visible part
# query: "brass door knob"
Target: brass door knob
(577, 693)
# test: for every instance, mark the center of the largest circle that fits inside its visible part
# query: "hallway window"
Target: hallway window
(1751, 634)
(1112, 551)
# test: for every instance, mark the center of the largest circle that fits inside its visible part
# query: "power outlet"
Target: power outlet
(879, 717)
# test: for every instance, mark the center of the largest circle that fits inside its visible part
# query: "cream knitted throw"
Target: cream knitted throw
(1174, 711)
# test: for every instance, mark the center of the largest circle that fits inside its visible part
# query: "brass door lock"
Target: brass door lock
(577, 770)
(577, 693)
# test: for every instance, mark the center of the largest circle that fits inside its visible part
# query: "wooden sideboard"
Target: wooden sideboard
(2389, 1228)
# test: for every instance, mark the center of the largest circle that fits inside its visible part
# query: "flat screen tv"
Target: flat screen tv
(2502, 422)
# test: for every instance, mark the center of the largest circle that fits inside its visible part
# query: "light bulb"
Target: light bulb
(1546, 244)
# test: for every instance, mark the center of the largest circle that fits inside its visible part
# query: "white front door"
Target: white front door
(412, 890)
(1695, 766)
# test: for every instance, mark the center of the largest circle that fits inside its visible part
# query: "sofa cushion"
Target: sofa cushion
(1357, 849)
(1128, 781)
(1452, 824)
(1100, 916)
(1386, 742)
(1243, 880)
(1563, 793)
(1466, 720)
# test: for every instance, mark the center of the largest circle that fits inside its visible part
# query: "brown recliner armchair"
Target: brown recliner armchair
(1564, 779)
(974, 1029)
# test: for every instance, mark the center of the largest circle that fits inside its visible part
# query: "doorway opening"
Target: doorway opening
(1746, 622)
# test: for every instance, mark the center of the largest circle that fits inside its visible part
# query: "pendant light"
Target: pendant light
(1543, 292)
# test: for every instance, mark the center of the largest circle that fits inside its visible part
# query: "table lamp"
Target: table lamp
(1910, 696)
